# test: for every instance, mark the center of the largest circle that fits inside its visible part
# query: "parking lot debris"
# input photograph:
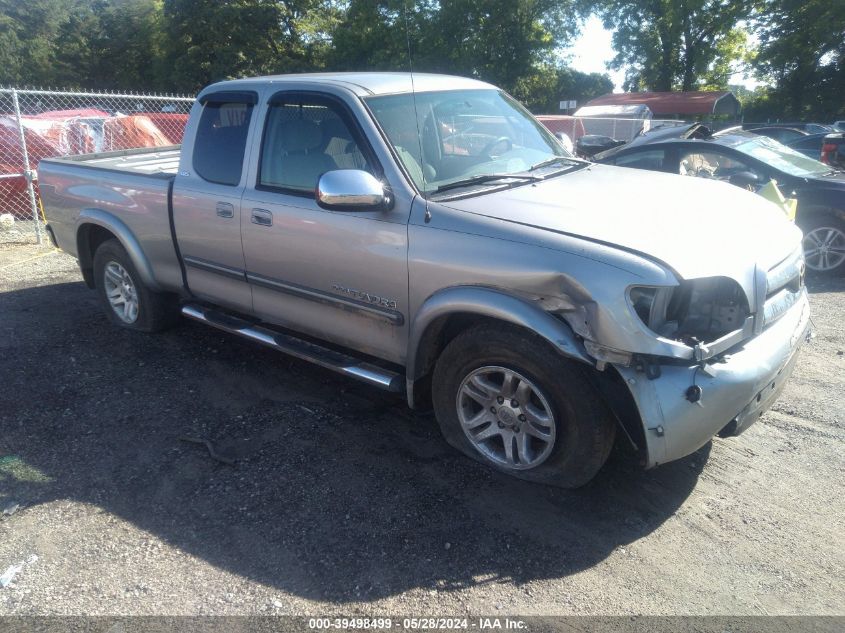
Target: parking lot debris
(10, 508)
(9, 575)
(211, 450)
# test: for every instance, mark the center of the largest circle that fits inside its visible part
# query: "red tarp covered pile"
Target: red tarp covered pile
(70, 132)
(129, 132)
(14, 197)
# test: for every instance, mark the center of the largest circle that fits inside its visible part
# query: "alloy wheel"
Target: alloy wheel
(506, 417)
(824, 248)
(121, 292)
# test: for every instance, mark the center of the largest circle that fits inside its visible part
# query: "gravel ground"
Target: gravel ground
(342, 501)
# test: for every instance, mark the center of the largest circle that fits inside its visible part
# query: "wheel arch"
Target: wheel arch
(95, 226)
(448, 312)
(813, 209)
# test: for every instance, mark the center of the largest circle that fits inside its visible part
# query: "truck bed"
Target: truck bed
(151, 161)
(127, 191)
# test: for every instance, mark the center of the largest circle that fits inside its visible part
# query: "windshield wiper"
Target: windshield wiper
(484, 178)
(551, 161)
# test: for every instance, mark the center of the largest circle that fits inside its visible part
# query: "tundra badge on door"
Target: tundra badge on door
(365, 296)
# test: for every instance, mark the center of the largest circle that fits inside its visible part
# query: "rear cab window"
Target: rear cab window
(221, 137)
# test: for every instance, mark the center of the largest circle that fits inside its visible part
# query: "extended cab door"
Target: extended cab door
(341, 276)
(207, 198)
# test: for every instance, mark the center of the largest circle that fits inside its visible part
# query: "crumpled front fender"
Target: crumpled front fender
(483, 302)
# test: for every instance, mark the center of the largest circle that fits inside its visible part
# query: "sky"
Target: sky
(593, 49)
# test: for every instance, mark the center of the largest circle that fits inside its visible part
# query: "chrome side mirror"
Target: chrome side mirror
(563, 139)
(351, 190)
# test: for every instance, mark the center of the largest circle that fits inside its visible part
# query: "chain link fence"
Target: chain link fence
(37, 124)
(620, 129)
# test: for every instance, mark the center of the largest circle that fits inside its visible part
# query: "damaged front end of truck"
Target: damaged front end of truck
(712, 357)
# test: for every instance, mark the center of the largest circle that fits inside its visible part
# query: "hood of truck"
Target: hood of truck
(699, 228)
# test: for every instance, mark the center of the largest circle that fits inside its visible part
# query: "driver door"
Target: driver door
(341, 276)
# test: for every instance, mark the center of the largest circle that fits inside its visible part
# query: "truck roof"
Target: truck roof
(365, 84)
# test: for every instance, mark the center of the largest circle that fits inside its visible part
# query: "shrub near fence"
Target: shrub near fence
(37, 124)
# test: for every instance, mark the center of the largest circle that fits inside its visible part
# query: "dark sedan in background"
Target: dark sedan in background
(827, 148)
(783, 135)
(750, 161)
(807, 128)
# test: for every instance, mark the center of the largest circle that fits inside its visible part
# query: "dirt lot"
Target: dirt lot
(344, 502)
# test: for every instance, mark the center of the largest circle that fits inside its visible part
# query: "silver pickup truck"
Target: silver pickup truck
(427, 235)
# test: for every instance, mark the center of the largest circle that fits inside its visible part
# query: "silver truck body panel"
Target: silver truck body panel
(490, 303)
(340, 276)
(741, 387)
(139, 161)
(211, 244)
(556, 257)
(207, 221)
(162, 161)
(360, 84)
(132, 206)
(668, 219)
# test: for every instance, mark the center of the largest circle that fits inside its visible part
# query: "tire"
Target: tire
(116, 275)
(824, 244)
(565, 450)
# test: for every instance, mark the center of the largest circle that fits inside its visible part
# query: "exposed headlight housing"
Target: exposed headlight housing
(695, 312)
(651, 305)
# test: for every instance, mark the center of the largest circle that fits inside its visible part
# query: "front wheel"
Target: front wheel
(504, 398)
(824, 244)
(127, 301)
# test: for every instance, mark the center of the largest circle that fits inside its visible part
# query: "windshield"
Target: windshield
(782, 157)
(461, 134)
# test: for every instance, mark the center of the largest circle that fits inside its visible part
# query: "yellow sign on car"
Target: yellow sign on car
(770, 191)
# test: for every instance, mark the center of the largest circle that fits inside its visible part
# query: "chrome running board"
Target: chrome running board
(305, 350)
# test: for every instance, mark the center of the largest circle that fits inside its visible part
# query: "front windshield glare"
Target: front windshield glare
(457, 134)
(782, 157)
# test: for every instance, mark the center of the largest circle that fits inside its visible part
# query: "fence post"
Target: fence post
(29, 174)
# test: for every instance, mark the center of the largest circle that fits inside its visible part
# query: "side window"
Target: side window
(221, 141)
(811, 143)
(715, 165)
(304, 137)
(650, 159)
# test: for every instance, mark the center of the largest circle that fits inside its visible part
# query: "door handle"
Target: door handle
(225, 210)
(262, 217)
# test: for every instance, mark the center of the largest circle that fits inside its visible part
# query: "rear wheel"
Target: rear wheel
(824, 244)
(126, 300)
(504, 398)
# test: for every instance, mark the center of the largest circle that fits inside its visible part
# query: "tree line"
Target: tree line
(182, 45)
(796, 47)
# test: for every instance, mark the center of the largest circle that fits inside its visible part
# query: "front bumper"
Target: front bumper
(736, 389)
